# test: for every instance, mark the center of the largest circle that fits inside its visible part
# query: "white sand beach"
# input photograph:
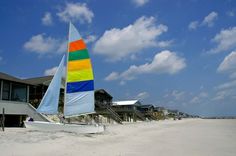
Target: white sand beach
(189, 137)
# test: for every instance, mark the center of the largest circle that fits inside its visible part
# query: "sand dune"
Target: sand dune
(190, 137)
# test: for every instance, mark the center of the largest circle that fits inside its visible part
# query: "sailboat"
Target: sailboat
(79, 90)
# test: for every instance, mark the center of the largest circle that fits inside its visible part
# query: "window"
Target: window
(19, 92)
(6, 90)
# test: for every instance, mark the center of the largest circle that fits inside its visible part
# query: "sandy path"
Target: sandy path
(192, 137)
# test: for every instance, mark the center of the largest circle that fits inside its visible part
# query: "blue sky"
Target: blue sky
(177, 54)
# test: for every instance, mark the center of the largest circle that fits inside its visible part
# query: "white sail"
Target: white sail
(79, 91)
(50, 101)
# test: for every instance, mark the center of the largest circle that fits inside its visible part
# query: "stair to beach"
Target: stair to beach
(151, 116)
(106, 109)
(139, 115)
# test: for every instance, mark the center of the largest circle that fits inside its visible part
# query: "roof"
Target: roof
(130, 102)
(160, 108)
(103, 92)
(5, 76)
(146, 106)
(39, 80)
(45, 80)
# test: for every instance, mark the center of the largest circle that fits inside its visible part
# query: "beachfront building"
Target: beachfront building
(160, 113)
(148, 111)
(173, 114)
(103, 108)
(128, 110)
(14, 99)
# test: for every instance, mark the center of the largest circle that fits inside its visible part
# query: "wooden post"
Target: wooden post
(3, 119)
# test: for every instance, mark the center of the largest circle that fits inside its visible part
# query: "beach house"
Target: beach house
(14, 99)
(128, 110)
(148, 111)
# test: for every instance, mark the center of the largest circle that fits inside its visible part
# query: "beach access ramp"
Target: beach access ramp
(21, 108)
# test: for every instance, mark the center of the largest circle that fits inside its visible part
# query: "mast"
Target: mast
(66, 67)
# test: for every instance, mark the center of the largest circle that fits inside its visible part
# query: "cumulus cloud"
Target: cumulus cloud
(52, 71)
(227, 85)
(42, 45)
(112, 76)
(195, 99)
(139, 3)
(142, 95)
(225, 40)
(224, 94)
(76, 12)
(118, 43)
(199, 98)
(178, 94)
(207, 21)
(193, 25)
(164, 44)
(164, 62)
(90, 39)
(210, 19)
(228, 65)
(227, 90)
(47, 19)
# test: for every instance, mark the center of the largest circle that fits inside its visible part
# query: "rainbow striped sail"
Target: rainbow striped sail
(79, 92)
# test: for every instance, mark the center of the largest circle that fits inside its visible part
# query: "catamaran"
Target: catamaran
(79, 90)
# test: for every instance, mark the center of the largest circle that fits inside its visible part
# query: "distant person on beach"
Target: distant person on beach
(62, 118)
(29, 119)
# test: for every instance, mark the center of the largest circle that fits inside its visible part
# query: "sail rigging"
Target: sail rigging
(50, 101)
(79, 91)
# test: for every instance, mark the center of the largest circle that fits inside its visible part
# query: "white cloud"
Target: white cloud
(207, 21)
(1, 58)
(175, 95)
(224, 94)
(163, 62)
(178, 94)
(227, 90)
(112, 76)
(47, 19)
(142, 95)
(50, 71)
(193, 25)
(139, 3)
(198, 98)
(53, 70)
(41, 44)
(118, 43)
(227, 85)
(76, 12)
(229, 65)
(210, 19)
(195, 99)
(90, 39)
(225, 40)
(164, 44)
(62, 46)
(203, 95)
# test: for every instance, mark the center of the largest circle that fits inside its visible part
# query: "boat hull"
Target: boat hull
(55, 127)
